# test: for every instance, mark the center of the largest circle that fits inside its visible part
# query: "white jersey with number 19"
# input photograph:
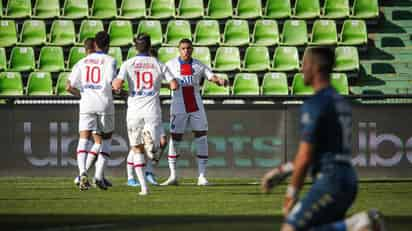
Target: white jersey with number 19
(93, 76)
(144, 75)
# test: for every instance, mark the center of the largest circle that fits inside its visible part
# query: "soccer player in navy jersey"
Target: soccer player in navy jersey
(324, 149)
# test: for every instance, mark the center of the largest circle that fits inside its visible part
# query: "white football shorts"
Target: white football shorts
(97, 123)
(137, 126)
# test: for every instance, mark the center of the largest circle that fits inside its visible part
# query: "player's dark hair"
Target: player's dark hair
(324, 57)
(142, 43)
(89, 44)
(185, 40)
(102, 40)
(153, 52)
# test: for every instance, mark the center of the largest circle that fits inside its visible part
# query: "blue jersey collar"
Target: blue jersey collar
(143, 55)
(183, 62)
(99, 52)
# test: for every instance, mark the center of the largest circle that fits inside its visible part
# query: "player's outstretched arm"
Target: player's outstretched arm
(117, 84)
(72, 90)
(219, 81)
(276, 176)
(301, 164)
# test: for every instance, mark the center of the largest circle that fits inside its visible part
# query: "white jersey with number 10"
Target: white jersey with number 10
(93, 76)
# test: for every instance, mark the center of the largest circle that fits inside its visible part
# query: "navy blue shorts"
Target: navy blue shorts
(331, 195)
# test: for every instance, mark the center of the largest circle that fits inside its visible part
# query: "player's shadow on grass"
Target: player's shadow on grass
(159, 222)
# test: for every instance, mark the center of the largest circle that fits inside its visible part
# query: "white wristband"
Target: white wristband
(292, 192)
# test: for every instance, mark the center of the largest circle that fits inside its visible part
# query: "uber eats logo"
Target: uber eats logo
(381, 149)
(237, 148)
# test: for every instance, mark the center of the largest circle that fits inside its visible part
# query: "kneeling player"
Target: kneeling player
(325, 147)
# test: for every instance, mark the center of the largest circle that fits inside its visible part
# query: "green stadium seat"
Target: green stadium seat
(88, 29)
(207, 33)
(75, 54)
(306, 9)
(286, 59)
(165, 54)
(132, 9)
(46, 9)
(324, 33)
(11, 83)
(177, 30)
(152, 28)
(354, 33)
(103, 9)
(75, 9)
(62, 33)
(275, 84)
(116, 53)
(18, 9)
(164, 91)
(277, 9)
(203, 55)
(336, 9)
(294, 33)
(227, 59)
(339, 81)
(265, 33)
(1, 8)
(190, 9)
(121, 33)
(365, 9)
(210, 88)
(256, 59)
(246, 84)
(346, 59)
(60, 88)
(51, 59)
(132, 52)
(33, 33)
(3, 59)
(248, 9)
(299, 87)
(219, 9)
(8, 33)
(22, 59)
(40, 83)
(236, 33)
(162, 9)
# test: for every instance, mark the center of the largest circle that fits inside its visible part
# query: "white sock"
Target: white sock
(81, 155)
(202, 155)
(92, 155)
(139, 163)
(149, 167)
(172, 157)
(103, 158)
(357, 222)
(129, 166)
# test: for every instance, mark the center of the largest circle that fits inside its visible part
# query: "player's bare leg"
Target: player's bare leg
(139, 164)
(82, 150)
(202, 156)
(174, 152)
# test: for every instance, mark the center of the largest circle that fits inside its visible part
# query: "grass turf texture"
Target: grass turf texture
(230, 204)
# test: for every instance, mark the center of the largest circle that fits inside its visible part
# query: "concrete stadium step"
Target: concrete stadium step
(386, 68)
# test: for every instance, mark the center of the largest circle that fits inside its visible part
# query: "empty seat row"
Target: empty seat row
(218, 9)
(40, 83)
(51, 59)
(236, 33)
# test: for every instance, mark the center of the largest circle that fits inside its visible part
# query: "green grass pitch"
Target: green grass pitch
(230, 204)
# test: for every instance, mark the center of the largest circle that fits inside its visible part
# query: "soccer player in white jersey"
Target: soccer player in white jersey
(144, 75)
(187, 109)
(91, 79)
